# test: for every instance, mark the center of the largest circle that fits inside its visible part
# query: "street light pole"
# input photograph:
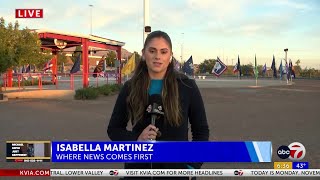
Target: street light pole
(90, 18)
(286, 53)
(182, 47)
(286, 56)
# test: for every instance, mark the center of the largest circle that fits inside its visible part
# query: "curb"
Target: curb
(5, 99)
(42, 94)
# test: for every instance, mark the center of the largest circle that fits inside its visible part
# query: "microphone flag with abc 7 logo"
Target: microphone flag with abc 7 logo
(295, 151)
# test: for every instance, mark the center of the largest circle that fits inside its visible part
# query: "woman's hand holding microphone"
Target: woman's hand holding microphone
(149, 133)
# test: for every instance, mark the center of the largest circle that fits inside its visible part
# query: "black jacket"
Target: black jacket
(193, 112)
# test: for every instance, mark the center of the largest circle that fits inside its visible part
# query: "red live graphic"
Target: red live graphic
(24, 172)
(29, 13)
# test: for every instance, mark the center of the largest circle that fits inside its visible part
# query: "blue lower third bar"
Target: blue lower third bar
(250, 151)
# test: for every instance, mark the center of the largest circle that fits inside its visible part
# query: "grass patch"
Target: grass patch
(86, 93)
(104, 90)
(94, 92)
(29, 83)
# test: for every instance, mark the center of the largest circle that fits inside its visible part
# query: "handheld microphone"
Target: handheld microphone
(153, 113)
(155, 109)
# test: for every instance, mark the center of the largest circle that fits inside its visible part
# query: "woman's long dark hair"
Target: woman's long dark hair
(139, 86)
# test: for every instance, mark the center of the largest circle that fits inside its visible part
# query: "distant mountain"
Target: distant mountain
(124, 53)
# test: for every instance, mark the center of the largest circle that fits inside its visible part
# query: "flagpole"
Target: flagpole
(256, 69)
(286, 53)
(147, 27)
(239, 69)
(280, 70)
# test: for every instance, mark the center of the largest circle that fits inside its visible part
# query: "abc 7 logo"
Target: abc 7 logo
(238, 173)
(295, 151)
(113, 173)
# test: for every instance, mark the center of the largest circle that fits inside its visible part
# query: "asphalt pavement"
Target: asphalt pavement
(237, 110)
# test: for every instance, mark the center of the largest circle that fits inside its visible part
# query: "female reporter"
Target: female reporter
(180, 97)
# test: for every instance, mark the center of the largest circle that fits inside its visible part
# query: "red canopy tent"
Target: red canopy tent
(57, 40)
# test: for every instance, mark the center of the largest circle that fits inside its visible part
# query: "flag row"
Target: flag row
(188, 67)
(219, 68)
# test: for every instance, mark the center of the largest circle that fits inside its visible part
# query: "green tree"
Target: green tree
(6, 53)
(297, 67)
(247, 69)
(138, 57)
(27, 50)
(207, 65)
(76, 53)
(16, 25)
(62, 58)
(19, 47)
(111, 58)
(260, 68)
(2, 23)
(309, 72)
(7, 46)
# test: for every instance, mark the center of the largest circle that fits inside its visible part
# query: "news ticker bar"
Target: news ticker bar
(160, 172)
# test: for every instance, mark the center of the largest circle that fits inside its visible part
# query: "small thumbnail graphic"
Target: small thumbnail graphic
(238, 172)
(295, 151)
(114, 173)
(30, 150)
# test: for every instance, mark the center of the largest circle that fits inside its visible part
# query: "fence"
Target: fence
(61, 81)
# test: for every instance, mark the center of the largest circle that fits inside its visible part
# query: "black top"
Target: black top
(193, 111)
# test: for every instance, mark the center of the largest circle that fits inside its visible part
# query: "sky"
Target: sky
(204, 29)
